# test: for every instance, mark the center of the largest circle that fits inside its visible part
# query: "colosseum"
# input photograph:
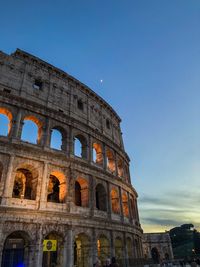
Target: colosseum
(68, 203)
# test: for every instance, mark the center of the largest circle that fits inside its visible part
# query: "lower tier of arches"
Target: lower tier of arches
(46, 244)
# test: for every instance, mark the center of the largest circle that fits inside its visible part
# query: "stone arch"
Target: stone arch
(80, 146)
(155, 255)
(97, 153)
(118, 248)
(53, 258)
(59, 141)
(82, 250)
(35, 122)
(81, 192)
(16, 250)
(120, 167)
(57, 187)
(110, 160)
(6, 112)
(125, 204)
(101, 197)
(103, 248)
(129, 245)
(25, 182)
(114, 194)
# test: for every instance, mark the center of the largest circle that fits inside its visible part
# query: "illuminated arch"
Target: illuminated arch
(125, 204)
(25, 183)
(114, 194)
(110, 160)
(57, 187)
(81, 192)
(9, 116)
(35, 122)
(97, 153)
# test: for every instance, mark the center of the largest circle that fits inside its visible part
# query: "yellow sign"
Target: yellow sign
(49, 245)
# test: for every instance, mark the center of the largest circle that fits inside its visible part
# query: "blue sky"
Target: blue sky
(148, 55)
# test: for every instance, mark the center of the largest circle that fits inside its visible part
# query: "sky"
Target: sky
(142, 57)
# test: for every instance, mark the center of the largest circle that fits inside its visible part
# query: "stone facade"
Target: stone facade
(157, 246)
(86, 203)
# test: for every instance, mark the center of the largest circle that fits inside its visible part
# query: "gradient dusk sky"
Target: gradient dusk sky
(147, 52)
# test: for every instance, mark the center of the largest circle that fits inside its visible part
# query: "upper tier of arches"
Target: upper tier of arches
(34, 129)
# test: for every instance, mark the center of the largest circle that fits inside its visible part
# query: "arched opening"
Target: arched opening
(110, 160)
(82, 253)
(80, 146)
(129, 250)
(32, 130)
(115, 201)
(81, 192)
(155, 255)
(103, 248)
(101, 198)
(57, 187)
(58, 139)
(52, 250)
(118, 249)
(15, 250)
(120, 168)
(25, 184)
(97, 154)
(1, 170)
(125, 204)
(167, 256)
(5, 122)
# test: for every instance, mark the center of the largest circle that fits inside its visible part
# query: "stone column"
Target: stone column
(112, 244)
(16, 125)
(91, 195)
(108, 201)
(68, 250)
(46, 134)
(90, 150)
(116, 165)
(8, 186)
(125, 252)
(129, 209)
(94, 247)
(104, 157)
(44, 187)
(121, 204)
(39, 248)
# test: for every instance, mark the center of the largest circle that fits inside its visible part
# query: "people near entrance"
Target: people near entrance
(114, 263)
(107, 263)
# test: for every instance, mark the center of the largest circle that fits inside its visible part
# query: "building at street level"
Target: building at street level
(70, 203)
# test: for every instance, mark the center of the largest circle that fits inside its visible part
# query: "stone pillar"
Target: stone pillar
(121, 205)
(8, 186)
(104, 157)
(90, 150)
(71, 142)
(91, 195)
(46, 134)
(116, 164)
(39, 248)
(112, 244)
(108, 201)
(16, 125)
(44, 187)
(94, 247)
(125, 252)
(68, 250)
(129, 209)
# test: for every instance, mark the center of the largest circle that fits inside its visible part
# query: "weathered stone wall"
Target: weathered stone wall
(55, 105)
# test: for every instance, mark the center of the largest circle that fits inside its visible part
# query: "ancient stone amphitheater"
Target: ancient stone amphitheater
(67, 203)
